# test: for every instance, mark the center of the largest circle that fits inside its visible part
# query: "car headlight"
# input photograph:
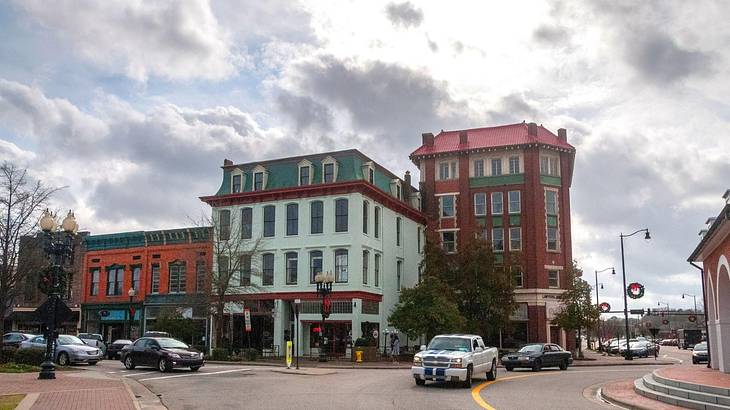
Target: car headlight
(174, 355)
(417, 361)
(456, 362)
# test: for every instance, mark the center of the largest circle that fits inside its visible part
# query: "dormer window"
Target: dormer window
(259, 178)
(396, 189)
(305, 173)
(329, 170)
(368, 172)
(236, 182)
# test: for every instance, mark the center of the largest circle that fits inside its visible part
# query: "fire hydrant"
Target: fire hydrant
(358, 356)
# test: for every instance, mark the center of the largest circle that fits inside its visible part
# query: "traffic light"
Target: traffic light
(648, 312)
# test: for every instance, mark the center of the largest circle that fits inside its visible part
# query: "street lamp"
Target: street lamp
(613, 272)
(324, 287)
(131, 292)
(694, 297)
(625, 291)
(58, 244)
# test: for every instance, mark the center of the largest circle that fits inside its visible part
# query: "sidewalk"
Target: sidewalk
(593, 358)
(69, 391)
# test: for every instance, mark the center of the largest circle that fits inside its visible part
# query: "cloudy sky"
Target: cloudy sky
(133, 105)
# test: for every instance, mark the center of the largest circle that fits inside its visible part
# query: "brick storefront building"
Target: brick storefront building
(166, 268)
(510, 185)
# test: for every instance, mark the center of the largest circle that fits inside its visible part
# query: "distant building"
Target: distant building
(337, 212)
(167, 269)
(510, 185)
(713, 252)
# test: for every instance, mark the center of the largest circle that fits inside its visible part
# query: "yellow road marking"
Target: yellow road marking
(475, 392)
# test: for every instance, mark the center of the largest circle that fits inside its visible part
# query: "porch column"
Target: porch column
(722, 328)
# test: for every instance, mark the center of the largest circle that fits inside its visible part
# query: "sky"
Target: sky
(134, 105)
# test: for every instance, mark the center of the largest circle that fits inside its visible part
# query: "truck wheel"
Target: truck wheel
(467, 382)
(537, 366)
(420, 382)
(492, 373)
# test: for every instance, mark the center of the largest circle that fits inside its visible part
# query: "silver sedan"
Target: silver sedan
(69, 349)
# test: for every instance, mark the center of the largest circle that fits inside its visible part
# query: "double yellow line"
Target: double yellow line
(476, 392)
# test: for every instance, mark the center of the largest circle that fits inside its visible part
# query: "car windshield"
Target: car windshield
(69, 340)
(701, 346)
(171, 343)
(458, 344)
(531, 348)
(122, 342)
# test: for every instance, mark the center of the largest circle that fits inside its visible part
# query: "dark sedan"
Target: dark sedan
(163, 353)
(536, 356)
(114, 349)
(699, 353)
(14, 339)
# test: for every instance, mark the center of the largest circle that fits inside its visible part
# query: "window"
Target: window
(514, 202)
(177, 277)
(376, 228)
(244, 278)
(497, 205)
(341, 265)
(155, 280)
(292, 260)
(551, 202)
(483, 232)
(292, 219)
(514, 165)
(236, 184)
(341, 215)
(515, 239)
(498, 239)
(246, 223)
(553, 281)
(517, 278)
(480, 203)
(224, 223)
(365, 215)
(315, 264)
(365, 263)
(267, 277)
(316, 210)
(200, 276)
(304, 175)
(398, 270)
(376, 270)
(224, 268)
(447, 206)
(549, 165)
(398, 192)
(269, 220)
(448, 241)
(371, 175)
(258, 181)
(447, 170)
(479, 168)
(329, 173)
(397, 231)
(418, 239)
(115, 281)
(544, 165)
(554, 166)
(94, 282)
(136, 271)
(496, 166)
(552, 238)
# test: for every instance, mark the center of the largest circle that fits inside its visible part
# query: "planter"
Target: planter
(368, 353)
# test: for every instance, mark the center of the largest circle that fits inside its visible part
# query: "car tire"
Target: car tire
(194, 368)
(93, 363)
(62, 359)
(509, 368)
(128, 363)
(162, 366)
(564, 364)
(492, 373)
(420, 382)
(537, 366)
(694, 361)
(467, 383)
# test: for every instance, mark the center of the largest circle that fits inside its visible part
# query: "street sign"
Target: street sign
(247, 318)
(62, 312)
(636, 311)
(604, 307)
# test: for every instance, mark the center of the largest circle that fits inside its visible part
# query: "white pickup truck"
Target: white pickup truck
(455, 358)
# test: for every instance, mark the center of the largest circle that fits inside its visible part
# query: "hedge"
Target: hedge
(33, 357)
(7, 354)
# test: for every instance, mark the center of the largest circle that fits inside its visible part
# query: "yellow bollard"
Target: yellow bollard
(358, 356)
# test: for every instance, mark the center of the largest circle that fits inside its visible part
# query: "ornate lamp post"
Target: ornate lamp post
(625, 291)
(324, 287)
(132, 293)
(694, 298)
(600, 333)
(58, 245)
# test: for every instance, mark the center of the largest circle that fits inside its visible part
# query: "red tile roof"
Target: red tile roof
(491, 137)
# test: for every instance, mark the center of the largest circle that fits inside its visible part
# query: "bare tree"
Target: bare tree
(21, 202)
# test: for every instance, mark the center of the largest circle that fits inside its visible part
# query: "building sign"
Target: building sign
(247, 318)
(117, 315)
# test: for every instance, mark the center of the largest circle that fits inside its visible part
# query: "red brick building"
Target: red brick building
(511, 185)
(166, 268)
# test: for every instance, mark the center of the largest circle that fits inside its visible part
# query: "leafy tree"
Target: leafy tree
(170, 320)
(577, 311)
(427, 310)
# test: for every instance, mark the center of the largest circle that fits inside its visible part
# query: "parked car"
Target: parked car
(68, 350)
(615, 345)
(699, 353)
(163, 353)
(455, 358)
(93, 339)
(639, 348)
(538, 355)
(14, 339)
(115, 348)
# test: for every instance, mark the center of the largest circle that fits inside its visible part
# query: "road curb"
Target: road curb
(28, 401)
(143, 398)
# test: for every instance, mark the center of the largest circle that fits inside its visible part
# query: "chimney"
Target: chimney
(462, 138)
(227, 162)
(427, 139)
(563, 135)
(407, 188)
(532, 129)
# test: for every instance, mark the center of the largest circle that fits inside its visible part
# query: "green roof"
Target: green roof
(139, 239)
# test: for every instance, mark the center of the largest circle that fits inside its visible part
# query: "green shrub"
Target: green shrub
(33, 357)
(17, 368)
(220, 353)
(250, 354)
(7, 354)
(365, 341)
